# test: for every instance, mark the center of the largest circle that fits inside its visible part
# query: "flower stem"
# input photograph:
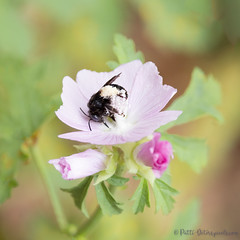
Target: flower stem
(90, 223)
(60, 216)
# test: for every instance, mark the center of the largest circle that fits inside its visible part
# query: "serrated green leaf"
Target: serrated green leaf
(117, 180)
(200, 99)
(79, 193)
(141, 197)
(193, 151)
(84, 210)
(166, 177)
(112, 64)
(125, 51)
(188, 219)
(106, 200)
(163, 196)
(136, 177)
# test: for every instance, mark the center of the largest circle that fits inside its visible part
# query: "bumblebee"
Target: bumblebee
(110, 100)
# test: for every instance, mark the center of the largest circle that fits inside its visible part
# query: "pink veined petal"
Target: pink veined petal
(80, 165)
(91, 82)
(93, 137)
(150, 123)
(146, 80)
(70, 112)
(155, 154)
(145, 152)
(148, 94)
(142, 129)
(72, 99)
(69, 118)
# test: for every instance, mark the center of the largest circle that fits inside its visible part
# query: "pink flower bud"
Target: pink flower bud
(80, 165)
(156, 154)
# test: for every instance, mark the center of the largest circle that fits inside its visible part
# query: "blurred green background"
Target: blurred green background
(41, 41)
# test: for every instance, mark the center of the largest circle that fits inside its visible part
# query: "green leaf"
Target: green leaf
(117, 180)
(106, 200)
(229, 16)
(188, 219)
(79, 193)
(193, 151)
(125, 51)
(169, 22)
(6, 187)
(84, 210)
(24, 108)
(141, 197)
(8, 166)
(163, 196)
(200, 99)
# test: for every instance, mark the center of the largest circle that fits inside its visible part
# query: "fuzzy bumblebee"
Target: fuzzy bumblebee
(110, 100)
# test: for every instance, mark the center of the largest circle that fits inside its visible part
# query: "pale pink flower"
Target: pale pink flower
(80, 165)
(147, 96)
(155, 154)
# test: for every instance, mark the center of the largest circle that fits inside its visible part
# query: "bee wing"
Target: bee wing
(111, 80)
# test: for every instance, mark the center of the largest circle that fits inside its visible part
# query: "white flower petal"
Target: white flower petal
(91, 82)
(80, 165)
(147, 96)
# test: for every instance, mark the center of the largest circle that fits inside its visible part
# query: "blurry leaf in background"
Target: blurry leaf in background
(229, 16)
(193, 151)
(187, 220)
(163, 196)
(125, 51)
(106, 200)
(23, 110)
(84, 29)
(200, 98)
(141, 197)
(17, 38)
(68, 11)
(186, 26)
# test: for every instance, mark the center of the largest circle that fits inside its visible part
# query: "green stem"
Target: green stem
(61, 219)
(90, 223)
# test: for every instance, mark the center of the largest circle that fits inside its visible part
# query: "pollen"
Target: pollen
(109, 91)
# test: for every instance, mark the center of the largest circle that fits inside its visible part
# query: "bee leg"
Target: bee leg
(84, 113)
(106, 124)
(89, 124)
(113, 117)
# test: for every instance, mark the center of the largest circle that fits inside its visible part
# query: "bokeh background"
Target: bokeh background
(66, 36)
